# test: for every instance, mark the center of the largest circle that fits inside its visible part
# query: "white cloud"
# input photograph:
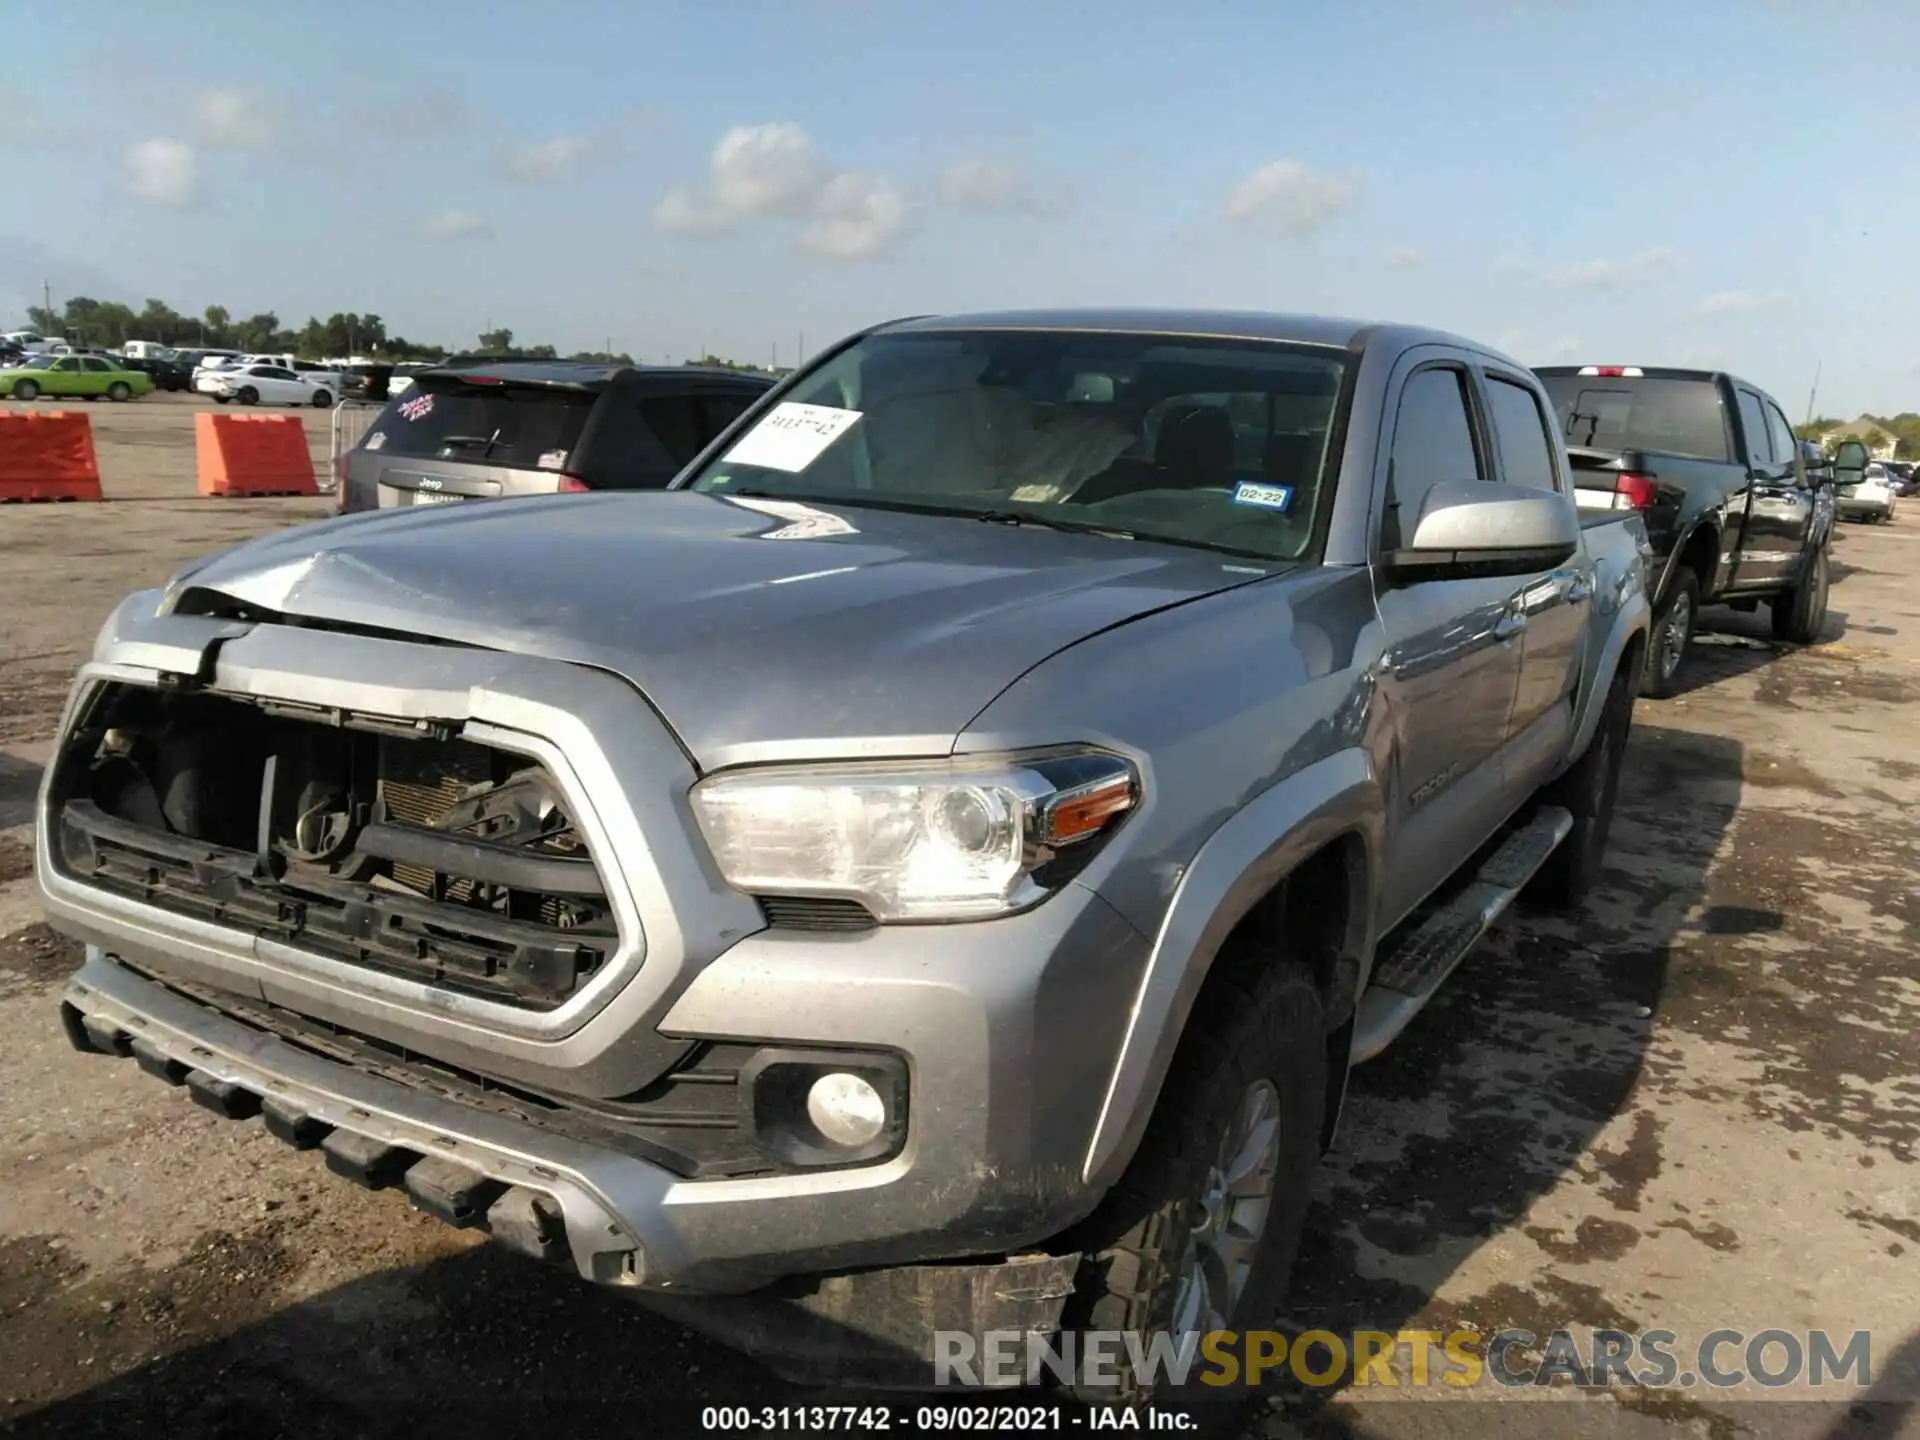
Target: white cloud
(776, 172)
(857, 217)
(1289, 198)
(163, 172)
(994, 185)
(1567, 347)
(768, 170)
(1613, 274)
(452, 226)
(1736, 302)
(539, 161)
(1405, 257)
(1511, 341)
(231, 120)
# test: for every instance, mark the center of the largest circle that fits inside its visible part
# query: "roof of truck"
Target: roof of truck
(575, 374)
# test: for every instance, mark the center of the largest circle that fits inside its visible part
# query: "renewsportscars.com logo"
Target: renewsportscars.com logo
(1459, 1360)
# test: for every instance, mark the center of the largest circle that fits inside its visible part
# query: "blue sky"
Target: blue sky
(1683, 183)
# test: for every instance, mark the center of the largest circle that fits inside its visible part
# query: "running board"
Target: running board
(1415, 962)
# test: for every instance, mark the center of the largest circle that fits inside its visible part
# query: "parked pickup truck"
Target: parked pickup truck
(977, 816)
(1712, 464)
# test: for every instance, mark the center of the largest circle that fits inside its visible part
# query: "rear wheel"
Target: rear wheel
(1588, 792)
(25, 390)
(1200, 1233)
(321, 400)
(119, 391)
(1800, 615)
(1672, 633)
(247, 395)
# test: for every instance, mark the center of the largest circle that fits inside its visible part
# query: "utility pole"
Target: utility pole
(773, 359)
(801, 359)
(1813, 392)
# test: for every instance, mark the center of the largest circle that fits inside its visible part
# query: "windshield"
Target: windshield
(1214, 444)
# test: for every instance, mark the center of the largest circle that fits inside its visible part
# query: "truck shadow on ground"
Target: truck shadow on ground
(19, 784)
(1494, 1095)
(1500, 1091)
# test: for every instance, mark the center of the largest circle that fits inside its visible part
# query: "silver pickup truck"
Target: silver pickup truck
(978, 816)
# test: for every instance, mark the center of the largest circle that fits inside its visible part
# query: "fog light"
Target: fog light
(846, 1109)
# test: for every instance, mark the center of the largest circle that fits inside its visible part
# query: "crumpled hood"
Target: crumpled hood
(746, 622)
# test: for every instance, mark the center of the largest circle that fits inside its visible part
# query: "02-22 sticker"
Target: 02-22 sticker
(1263, 495)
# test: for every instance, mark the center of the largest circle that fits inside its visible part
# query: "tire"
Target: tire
(119, 392)
(1672, 634)
(247, 395)
(1253, 1047)
(1800, 615)
(221, 399)
(25, 390)
(322, 400)
(1588, 791)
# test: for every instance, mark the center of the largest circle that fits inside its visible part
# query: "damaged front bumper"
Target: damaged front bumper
(557, 1204)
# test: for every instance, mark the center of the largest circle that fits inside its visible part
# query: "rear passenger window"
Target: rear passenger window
(674, 419)
(1753, 421)
(721, 411)
(1520, 431)
(1432, 443)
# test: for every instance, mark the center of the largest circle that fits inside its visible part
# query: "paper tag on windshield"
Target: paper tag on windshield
(792, 436)
(553, 459)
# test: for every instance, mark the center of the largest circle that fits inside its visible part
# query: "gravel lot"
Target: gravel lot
(1697, 1105)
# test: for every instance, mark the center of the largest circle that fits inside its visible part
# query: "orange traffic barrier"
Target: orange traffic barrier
(253, 455)
(47, 456)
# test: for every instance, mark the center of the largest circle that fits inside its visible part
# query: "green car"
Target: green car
(90, 376)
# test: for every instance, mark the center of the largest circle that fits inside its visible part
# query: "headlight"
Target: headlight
(940, 840)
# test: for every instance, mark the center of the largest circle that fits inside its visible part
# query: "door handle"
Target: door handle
(1579, 587)
(1510, 625)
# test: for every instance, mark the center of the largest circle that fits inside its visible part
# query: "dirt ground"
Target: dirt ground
(1694, 1106)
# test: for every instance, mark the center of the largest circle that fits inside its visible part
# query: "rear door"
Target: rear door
(96, 373)
(1452, 662)
(1555, 605)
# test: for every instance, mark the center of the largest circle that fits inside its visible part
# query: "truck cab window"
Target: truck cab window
(1520, 432)
(1432, 442)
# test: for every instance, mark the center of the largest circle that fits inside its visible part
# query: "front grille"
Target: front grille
(420, 854)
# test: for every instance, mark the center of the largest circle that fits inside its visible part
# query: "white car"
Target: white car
(1871, 499)
(212, 368)
(268, 385)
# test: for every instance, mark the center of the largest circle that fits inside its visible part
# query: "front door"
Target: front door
(1452, 659)
(1782, 511)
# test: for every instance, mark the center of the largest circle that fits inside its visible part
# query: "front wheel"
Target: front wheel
(1588, 792)
(1800, 615)
(1200, 1233)
(1672, 633)
(119, 391)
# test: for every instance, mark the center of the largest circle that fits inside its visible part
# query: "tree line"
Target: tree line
(1904, 427)
(103, 324)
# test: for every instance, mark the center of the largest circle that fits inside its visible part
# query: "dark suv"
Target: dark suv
(533, 427)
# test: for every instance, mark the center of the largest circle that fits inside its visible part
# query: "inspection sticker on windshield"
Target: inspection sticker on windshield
(377, 440)
(1267, 497)
(792, 436)
(553, 459)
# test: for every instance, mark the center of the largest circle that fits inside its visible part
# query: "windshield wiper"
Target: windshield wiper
(486, 442)
(1047, 522)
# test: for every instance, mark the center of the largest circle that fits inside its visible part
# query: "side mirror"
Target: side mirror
(1850, 462)
(1473, 528)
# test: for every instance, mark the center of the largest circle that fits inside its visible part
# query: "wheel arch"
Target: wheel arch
(1322, 827)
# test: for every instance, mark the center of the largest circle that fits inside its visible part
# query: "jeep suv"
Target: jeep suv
(533, 427)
